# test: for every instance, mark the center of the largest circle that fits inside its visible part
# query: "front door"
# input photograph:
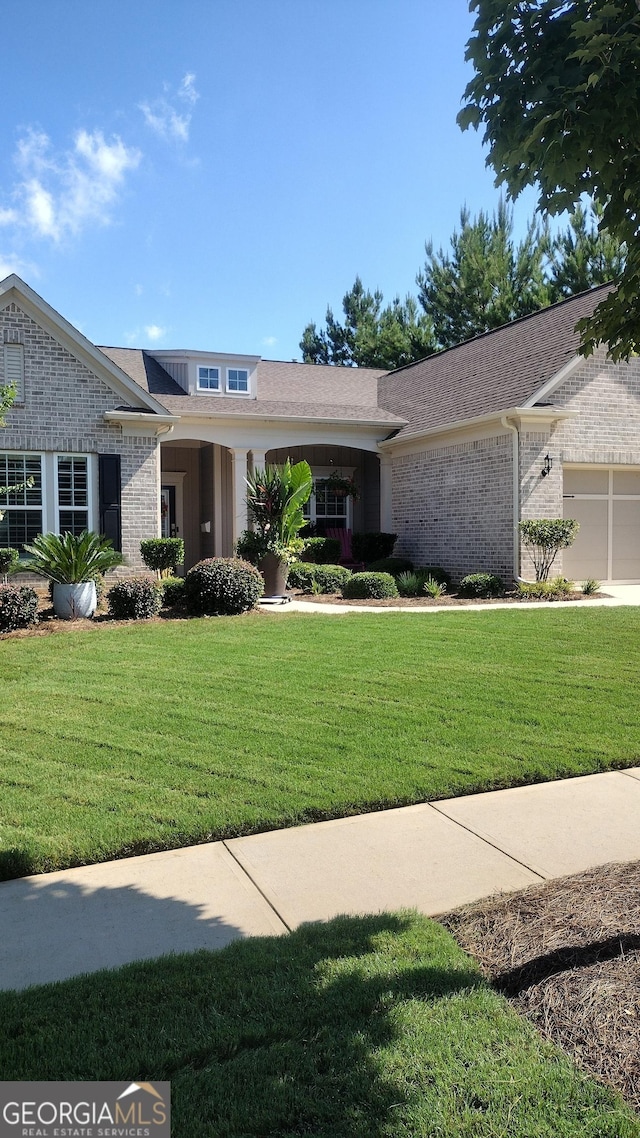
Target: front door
(168, 511)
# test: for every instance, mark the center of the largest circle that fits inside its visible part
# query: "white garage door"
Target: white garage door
(606, 502)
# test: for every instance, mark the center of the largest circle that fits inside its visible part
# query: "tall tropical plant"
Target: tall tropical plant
(70, 559)
(275, 500)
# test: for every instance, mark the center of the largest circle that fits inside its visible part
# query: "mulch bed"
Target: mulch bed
(451, 601)
(567, 955)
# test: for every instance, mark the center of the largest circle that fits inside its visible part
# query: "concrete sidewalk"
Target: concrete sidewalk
(432, 857)
(615, 595)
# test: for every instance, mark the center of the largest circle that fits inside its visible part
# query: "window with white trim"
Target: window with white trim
(237, 379)
(208, 379)
(22, 507)
(326, 509)
(73, 494)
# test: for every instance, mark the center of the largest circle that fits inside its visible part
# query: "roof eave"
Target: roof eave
(520, 414)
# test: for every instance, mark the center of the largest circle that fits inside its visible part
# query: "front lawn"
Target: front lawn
(121, 740)
(378, 1027)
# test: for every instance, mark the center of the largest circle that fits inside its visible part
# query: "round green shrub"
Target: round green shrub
(162, 553)
(481, 585)
(301, 576)
(374, 586)
(9, 559)
(172, 591)
(134, 598)
(321, 550)
(392, 565)
(222, 586)
(331, 578)
(18, 607)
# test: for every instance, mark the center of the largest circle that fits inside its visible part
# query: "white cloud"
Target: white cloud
(138, 289)
(61, 194)
(154, 332)
(270, 341)
(164, 115)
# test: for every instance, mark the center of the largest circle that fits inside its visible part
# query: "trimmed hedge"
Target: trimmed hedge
(172, 591)
(134, 598)
(557, 589)
(481, 585)
(222, 586)
(18, 607)
(374, 586)
(370, 547)
(321, 550)
(392, 565)
(326, 578)
(9, 559)
(162, 553)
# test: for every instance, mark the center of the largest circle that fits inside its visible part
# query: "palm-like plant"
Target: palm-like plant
(275, 497)
(70, 559)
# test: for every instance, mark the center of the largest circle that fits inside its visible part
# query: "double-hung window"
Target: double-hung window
(73, 494)
(22, 506)
(208, 379)
(237, 379)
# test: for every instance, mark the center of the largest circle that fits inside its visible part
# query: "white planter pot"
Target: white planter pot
(71, 602)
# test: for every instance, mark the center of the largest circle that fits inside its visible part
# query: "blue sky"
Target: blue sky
(211, 173)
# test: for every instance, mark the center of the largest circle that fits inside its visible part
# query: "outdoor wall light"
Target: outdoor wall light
(548, 463)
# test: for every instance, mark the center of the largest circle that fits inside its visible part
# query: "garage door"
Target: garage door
(606, 502)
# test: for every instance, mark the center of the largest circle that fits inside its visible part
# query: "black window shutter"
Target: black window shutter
(109, 494)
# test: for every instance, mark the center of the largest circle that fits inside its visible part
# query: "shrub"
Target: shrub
(481, 585)
(71, 559)
(370, 547)
(434, 588)
(590, 586)
(172, 591)
(438, 573)
(410, 584)
(9, 559)
(301, 576)
(392, 565)
(374, 586)
(163, 554)
(134, 598)
(222, 586)
(321, 550)
(18, 607)
(331, 578)
(556, 589)
(544, 538)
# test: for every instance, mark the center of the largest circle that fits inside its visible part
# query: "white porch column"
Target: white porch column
(258, 459)
(386, 512)
(239, 466)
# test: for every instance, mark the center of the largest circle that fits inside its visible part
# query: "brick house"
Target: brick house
(448, 453)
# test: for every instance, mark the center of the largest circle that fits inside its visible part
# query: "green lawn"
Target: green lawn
(378, 1027)
(154, 735)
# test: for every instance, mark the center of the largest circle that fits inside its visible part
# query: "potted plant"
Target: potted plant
(72, 562)
(275, 498)
(342, 485)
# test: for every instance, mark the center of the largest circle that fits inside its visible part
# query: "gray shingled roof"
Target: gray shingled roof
(307, 391)
(490, 373)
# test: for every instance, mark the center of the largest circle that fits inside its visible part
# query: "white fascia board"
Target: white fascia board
(309, 420)
(550, 386)
(142, 422)
(193, 354)
(13, 289)
(520, 414)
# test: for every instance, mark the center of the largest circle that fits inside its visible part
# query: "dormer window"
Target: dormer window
(237, 379)
(208, 379)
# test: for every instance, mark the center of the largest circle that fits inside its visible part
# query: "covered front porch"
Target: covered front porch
(203, 490)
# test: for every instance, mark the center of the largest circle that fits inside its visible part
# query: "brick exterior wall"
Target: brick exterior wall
(454, 506)
(63, 411)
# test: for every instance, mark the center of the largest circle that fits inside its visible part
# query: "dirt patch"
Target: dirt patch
(567, 955)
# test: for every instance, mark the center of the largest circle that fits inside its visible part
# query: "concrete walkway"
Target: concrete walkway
(615, 595)
(432, 857)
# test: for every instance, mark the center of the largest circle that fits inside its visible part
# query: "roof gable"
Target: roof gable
(14, 290)
(507, 367)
